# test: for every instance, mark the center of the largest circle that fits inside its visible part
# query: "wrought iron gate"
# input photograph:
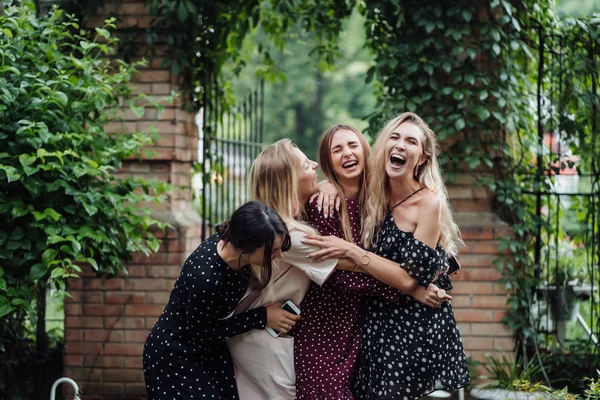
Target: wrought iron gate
(230, 140)
(566, 187)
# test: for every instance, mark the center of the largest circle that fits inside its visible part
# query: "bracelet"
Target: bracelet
(364, 259)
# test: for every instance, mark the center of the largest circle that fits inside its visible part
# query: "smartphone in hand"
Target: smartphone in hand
(454, 265)
(290, 307)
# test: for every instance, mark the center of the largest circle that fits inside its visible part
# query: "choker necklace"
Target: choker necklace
(407, 197)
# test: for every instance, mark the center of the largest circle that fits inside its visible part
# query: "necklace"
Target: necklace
(407, 197)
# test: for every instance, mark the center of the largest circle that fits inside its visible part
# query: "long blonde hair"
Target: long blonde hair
(427, 174)
(274, 181)
(329, 172)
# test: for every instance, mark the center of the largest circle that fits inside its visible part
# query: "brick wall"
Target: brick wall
(107, 321)
(478, 299)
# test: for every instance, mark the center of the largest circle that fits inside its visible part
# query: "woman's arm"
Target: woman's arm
(380, 268)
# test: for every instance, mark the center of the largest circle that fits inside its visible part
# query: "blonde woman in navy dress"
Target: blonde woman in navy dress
(407, 348)
(185, 355)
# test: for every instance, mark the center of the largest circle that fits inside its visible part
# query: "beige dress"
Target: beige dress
(264, 365)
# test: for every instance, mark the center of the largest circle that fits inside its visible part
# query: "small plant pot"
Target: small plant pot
(503, 394)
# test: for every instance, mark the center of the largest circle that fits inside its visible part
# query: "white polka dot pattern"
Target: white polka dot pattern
(409, 349)
(185, 355)
(327, 338)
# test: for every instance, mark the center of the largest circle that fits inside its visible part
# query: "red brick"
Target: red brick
(146, 284)
(157, 297)
(472, 315)
(491, 329)
(123, 375)
(483, 356)
(163, 271)
(92, 297)
(124, 322)
(162, 88)
(103, 361)
(83, 322)
(502, 231)
(472, 288)
(500, 288)
(506, 344)
(136, 271)
(464, 328)
(478, 343)
(136, 336)
(485, 274)
(103, 335)
(83, 348)
(471, 205)
(124, 349)
(499, 315)
(461, 301)
(476, 260)
(102, 309)
(481, 193)
(154, 76)
(72, 360)
(73, 335)
(135, 389)
(482, 301)
(105, 284)
(124, 298)
(144, 309)
(133, 362)
(481, 247)
(476, 233)
(73, 309)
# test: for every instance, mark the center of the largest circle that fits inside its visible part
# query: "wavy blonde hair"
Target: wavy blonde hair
(329, 172)
(427, 174)
(274, 181)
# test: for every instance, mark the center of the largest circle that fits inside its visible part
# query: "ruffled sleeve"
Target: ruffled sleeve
(421, 261)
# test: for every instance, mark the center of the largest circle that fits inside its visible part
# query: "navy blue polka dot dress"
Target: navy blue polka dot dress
(185, 355)
(409, 349)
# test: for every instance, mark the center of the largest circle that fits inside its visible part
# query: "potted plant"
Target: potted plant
(510, 380)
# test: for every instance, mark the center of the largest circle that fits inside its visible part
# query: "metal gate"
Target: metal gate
(231, 137)
(565, 187)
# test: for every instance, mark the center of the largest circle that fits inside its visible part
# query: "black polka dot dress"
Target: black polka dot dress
(185, 355)
(409, 349)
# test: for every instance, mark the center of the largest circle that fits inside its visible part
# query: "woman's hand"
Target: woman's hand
(429, 296)
(279, 319)
(328, 199)
(331, 247)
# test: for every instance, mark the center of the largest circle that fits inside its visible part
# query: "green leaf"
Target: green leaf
(6, 309)
(11, 173)
(48, 256)
(103, 32)
(37, 272)
(26, 159)
(57, 273)
(93, 263)
(459, 124)
(182, 12)
(8, 32)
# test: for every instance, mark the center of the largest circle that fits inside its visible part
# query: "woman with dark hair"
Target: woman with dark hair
(185, 355)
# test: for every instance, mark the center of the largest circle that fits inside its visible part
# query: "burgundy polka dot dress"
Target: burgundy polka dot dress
(327, 338)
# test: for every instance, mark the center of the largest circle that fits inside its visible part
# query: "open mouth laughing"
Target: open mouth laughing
(397, 160)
